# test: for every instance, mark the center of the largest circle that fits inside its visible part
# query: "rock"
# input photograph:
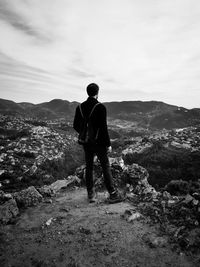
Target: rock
(2, 172)
(195, 202)
(131, 215)
(48, 222)
(136, 173)
(46, 191)
(28, 197)
(62, 184)
(85, 231)
(155, 241)
(170, 203)
(133, 175)
(166, 195)
(188, 199)
(49, 201)
(80, 171)
(117, 162)
(8, 211)
(63, 209)
(196, 195)
(158, 242)
(137, 176)
(194, 239)
(134, 216)
(4, 197)
(178, 231)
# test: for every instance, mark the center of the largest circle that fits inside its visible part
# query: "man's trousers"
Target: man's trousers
(101, 152)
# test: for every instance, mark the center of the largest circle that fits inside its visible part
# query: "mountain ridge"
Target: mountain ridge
(154, 114)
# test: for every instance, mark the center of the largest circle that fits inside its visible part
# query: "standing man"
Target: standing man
(102, 144)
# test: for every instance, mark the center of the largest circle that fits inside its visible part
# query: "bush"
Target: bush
(118, 144)
(13, 134)
(166, 164)
(36, 123)
(26, 154)
(177, 187)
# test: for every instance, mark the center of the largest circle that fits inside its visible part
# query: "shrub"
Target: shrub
(166, 164)
(177, 187)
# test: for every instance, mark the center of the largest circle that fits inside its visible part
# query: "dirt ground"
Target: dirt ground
(71, 232)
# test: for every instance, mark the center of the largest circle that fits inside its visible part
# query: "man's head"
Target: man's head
(92, 89)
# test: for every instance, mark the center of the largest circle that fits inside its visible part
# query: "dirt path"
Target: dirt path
(82, 234)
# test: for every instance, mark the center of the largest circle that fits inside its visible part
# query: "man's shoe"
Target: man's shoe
(115, 197)
(92, 197)
(92, 200)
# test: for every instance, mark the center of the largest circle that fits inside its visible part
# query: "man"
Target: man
(102, 145)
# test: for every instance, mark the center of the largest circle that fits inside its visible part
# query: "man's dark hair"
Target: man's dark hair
(92, 89)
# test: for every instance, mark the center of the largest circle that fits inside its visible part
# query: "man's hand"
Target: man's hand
(109, 149)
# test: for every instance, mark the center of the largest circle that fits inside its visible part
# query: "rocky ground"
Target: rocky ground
(71, 232)
(45, 223)
(34, 153)
(54, 225)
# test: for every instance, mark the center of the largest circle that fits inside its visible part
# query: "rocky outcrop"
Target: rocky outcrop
(8, 210)
(137, 177)
(4, 197)
(49, 190)
(134, 176)
(10, 203)
(28, 197)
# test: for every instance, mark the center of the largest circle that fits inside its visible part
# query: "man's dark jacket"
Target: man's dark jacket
(98, 118)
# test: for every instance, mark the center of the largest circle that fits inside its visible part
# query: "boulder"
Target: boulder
(137, 177)
(27, 197)
(62, 184)
(46, 191)
(131, 215)
(117, 162)
(136, 173)
(155, 241)
(80, 171)
(8, 210)
(4, 197)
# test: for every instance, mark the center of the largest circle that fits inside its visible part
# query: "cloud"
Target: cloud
(18, 21)
(79, 73)
(147, 49)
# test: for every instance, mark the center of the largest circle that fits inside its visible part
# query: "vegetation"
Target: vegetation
(62, 167)
(167, 163)
(180, 187)
(13, 134)
(36, 122)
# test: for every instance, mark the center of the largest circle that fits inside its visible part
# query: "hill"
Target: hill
(10, 107)
(146, 114)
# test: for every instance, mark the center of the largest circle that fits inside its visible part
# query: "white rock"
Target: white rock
(134, 216)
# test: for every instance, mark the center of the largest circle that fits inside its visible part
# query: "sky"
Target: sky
(133, 49)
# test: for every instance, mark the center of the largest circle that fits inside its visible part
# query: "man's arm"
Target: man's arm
(77, 120)
(103, 122)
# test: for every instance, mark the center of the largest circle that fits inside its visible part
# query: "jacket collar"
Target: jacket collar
(92, 99)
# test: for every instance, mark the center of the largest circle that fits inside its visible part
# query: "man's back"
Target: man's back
(98, 119)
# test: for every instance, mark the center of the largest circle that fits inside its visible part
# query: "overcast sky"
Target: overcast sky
(134, 49)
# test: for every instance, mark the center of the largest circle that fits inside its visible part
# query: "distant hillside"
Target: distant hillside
(10, 107)
(154, 114)
(59, 106)
(138, 107)
(147, 114)
(180, 118)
